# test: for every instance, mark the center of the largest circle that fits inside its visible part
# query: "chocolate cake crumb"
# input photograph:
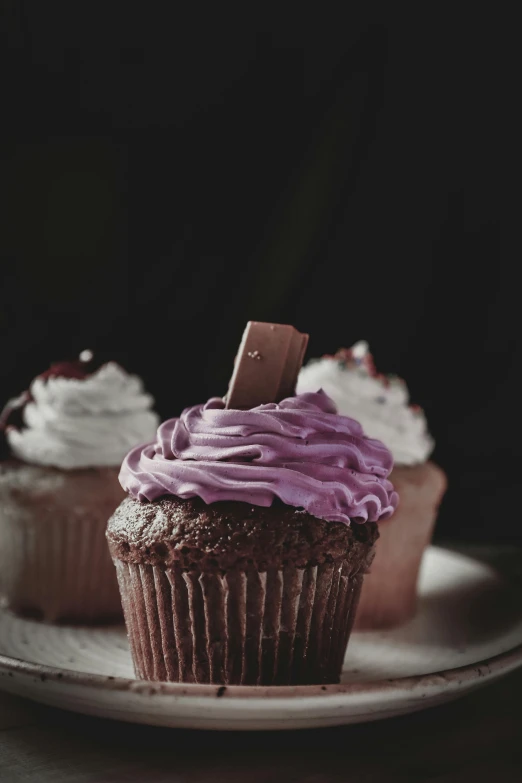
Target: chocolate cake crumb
(230, 534)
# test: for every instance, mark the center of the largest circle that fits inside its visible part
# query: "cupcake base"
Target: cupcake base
(190, 620)
(389, 595)
(54, 562)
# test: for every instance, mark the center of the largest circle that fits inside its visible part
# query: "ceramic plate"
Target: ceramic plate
(468, 631)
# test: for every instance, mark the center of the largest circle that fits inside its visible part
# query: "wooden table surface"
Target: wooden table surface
(477, 739)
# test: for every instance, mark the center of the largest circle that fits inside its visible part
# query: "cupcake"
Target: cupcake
(63, 443)
(243, 544)
(381, 405)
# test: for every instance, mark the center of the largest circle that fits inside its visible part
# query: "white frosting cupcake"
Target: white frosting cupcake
(379, 403)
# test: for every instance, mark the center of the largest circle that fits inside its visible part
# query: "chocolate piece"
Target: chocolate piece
(267, 365)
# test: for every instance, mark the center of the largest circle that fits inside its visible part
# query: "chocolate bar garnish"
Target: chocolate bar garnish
(267, 365)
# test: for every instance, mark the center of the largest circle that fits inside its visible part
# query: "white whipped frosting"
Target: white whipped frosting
(85, 423)
(380, 404)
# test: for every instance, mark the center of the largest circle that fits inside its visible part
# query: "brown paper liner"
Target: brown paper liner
(54, 561)
(286, 626)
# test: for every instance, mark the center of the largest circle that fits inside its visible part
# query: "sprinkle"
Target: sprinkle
(86, 356)
(360, 350)
(254, 355)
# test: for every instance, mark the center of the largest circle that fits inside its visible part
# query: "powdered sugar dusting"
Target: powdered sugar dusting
(131, 523)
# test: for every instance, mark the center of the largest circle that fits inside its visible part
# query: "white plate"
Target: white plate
(468, 631)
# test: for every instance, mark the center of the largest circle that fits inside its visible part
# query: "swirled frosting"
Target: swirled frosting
(73, 419)
(380, 403)
(298, 450)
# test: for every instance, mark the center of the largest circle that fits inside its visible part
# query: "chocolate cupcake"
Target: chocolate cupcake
(242, 548)
(381, 405)
(63, 444)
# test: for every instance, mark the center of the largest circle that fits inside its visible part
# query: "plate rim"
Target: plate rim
(485, 669)
(478, 670)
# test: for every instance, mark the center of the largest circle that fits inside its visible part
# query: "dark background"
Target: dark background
(169, 174)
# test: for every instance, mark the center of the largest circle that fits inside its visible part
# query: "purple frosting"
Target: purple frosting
(299, 450)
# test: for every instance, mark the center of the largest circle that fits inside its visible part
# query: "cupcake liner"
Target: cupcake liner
(59, 571)
(389, 595)
(54, 561)
(282, 626)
